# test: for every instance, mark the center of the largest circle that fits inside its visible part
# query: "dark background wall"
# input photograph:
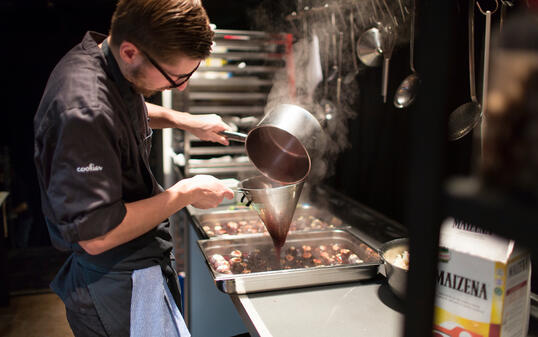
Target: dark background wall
(36, 35)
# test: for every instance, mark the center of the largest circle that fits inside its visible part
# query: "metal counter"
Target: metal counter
(362, 308)
(365, 308)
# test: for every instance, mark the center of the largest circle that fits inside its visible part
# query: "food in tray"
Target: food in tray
(397, 253)
(402, 260)
(254, 260)
(255, 225)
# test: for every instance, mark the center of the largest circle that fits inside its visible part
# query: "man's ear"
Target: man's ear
(129, 53)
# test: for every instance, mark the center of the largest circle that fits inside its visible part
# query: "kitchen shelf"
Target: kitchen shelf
(239, 70)
(221, 170)
(234, 82)
(221, 164)
(249, 56)
(227, 110)
(221, 33)
(214, 150)
(217, 96)
(228, 82)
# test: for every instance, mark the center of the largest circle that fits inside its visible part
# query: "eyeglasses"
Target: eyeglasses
(173, 84)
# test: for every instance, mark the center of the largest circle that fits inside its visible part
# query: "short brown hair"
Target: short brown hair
(163, 28)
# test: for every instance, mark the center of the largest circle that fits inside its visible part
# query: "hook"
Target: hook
(482, 11)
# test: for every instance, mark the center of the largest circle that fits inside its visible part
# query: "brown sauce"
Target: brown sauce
(278, 233)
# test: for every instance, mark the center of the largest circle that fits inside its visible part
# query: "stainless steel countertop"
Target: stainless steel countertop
(365, 308)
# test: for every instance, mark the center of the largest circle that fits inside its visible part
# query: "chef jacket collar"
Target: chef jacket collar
(125, 87)
(133, 100)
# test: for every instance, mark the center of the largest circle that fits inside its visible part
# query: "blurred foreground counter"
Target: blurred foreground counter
(366, 308)
(359, 308)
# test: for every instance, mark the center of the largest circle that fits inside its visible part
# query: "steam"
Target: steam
(315, 93)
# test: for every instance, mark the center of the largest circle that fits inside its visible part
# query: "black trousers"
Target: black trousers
(84, 325)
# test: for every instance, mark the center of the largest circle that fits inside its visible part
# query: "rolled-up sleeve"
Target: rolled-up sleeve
(84, 190)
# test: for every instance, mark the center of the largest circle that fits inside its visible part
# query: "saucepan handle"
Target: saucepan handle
(237, 136)
(244, 196)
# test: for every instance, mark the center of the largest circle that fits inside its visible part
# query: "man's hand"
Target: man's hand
(143, 215)
(206, 191)
(207, 127)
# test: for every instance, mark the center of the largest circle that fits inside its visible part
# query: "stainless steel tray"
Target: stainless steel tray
(294, 277)
(247, 221)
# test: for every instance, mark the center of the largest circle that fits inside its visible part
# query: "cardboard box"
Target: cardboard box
(483, 284)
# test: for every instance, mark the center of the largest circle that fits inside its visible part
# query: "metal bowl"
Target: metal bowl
(396, 276)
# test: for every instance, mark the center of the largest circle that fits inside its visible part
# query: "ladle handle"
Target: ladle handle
(385, 83)
(487, 39)
(472, 84)
(231, 135)
(412, 39)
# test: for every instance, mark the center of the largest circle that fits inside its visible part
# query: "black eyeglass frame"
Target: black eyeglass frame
(173, 84)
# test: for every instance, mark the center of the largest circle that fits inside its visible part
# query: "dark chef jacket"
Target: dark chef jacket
(92, 142)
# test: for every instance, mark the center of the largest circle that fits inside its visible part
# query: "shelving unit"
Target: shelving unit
(233, 82)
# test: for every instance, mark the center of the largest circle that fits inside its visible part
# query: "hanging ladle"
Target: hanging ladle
(406, 92)
(350, 77)
(487, 41)
(462, 120)
(504, 5)
(466, 116)
(389, 40)
(334, 69)
(326, 106)
(369, 47)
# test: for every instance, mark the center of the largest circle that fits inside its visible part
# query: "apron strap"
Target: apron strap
(171, 278)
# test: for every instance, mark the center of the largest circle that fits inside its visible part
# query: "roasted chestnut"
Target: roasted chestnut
(236, 253)
(223, 267)
(292, 251)
(236, 265)
(353, 258)
(215, 258)
(316, 224)
(232, 227)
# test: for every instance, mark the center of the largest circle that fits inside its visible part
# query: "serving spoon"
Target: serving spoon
(468, 122)
(462, 120)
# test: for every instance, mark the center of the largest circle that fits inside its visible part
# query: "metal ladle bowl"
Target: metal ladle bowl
(407, 91)
(462, 120)
(369, 47)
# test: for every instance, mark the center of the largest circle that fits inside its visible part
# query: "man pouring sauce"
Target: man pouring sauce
(100, 199)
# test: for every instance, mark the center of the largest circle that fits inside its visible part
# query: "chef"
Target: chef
(100, 199)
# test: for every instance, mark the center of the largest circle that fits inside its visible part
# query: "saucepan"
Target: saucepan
(395, 255)
(281, 146)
